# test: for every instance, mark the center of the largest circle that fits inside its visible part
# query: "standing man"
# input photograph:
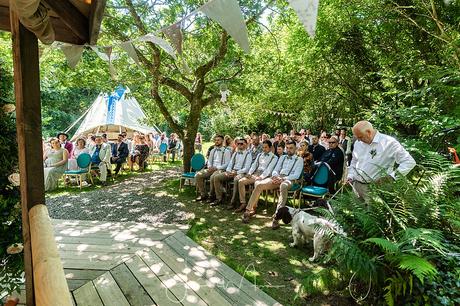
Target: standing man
(316, 149)
(100, 157)
(288, 168)
(237, 168)
(65, 143)
(374, 158)
(218, 160)
(119, 153)
(260, 170)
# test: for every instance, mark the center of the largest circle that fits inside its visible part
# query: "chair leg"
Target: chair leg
(180, 184)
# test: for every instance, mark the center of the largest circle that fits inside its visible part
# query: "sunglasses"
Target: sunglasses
(332, 142)
(240, 143)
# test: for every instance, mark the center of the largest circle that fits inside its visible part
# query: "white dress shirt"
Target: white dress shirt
(264, 163)
(289, 167)
(219, 158)
(373, 161)
(240, 162)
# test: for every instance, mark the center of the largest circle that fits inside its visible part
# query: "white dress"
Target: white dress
(52, 174)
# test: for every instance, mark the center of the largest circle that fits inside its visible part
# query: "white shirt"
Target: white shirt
(289, 166)
(264, 163)
(219, 158)
(241, 162)
(373, 161)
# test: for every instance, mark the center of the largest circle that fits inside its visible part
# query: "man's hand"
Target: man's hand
(277, 180)
(212, 169)
(349, 181)
(257, 178)
(230, 174)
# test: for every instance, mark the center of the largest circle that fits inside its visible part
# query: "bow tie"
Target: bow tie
(240, 153)
(266, 154)
(289, 157)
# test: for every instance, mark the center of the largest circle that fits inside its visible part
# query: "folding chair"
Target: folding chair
(163, 148)
(197, 163)
(83, 163)
(320, 179)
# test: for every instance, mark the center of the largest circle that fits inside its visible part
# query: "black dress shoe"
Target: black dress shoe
(211, 200)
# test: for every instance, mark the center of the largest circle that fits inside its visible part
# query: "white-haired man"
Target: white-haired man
(374, 158)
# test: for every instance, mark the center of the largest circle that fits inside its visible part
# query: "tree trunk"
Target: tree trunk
(191, 129)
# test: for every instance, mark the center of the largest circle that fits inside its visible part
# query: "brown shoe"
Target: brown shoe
(275, 225)
(241, 208)
(246, 217)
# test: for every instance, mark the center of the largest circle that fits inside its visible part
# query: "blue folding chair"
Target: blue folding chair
(83, 163)
(320, 179)
(197, 163)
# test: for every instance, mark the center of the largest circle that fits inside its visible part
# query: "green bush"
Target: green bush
(403, 242)
(11, 265)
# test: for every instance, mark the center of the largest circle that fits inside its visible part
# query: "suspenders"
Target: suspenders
(234, 157)
(292, 167)
(222, 159)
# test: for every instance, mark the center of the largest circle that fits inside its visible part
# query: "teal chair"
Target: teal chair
(197, 163)
(84, 169)
(320, 179)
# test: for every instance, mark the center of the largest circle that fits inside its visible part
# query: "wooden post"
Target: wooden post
(28, 125)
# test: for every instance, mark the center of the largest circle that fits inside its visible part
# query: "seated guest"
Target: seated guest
(65, 143)
(139, 154)
(303, 147)
(288, 168)
(345, 143)
(119, 153)
(256, 146)
(55, 164)
(218, 160)
(100, 157)
(280, 149)
(308, 165)
(78, 149)
(238, 166)
(323, 140)
(229, 144)
(316, 149)
(334, 157)
(260, 169)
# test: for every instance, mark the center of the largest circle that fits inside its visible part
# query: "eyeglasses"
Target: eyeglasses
(332, 142)
(240, 143)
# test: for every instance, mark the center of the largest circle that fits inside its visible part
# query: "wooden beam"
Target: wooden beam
(95, 19)
(4, 18)
(71, 17)
(28, 126)
(50, 284)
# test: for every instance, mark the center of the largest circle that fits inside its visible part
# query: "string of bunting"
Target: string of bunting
(227, 13)
(282, 114)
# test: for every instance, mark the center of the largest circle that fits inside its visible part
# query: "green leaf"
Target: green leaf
(418, 266)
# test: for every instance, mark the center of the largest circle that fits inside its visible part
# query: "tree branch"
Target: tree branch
(180, 88)
(164, 110)
(228, 78)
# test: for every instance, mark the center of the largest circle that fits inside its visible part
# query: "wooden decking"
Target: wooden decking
(111, 263)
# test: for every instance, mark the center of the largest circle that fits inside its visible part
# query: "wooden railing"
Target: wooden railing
(50, 285)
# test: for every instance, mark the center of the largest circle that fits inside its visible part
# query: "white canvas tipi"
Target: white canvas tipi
(113, 114)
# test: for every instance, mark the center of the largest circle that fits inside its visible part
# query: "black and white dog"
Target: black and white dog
(306, 227)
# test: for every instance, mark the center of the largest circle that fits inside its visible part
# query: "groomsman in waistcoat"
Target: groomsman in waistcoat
(261, 168)
(218, 160)
(288, 169)
(239, 165)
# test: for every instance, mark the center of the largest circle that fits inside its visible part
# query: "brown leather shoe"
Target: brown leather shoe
(241, 208)
(246, 217)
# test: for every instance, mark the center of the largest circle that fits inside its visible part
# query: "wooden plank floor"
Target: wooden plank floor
(126, 263)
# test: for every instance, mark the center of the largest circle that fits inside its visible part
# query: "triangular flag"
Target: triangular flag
(102, 55)
(228, 14)
(127, 46)
(160, 42)
(72, 53)
(174, 34)
(307, 11)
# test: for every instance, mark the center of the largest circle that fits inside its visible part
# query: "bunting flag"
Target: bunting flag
(228, 14)
(72, 53)
(163, 44)
(128, 47)
(174, 34)
(307, 11)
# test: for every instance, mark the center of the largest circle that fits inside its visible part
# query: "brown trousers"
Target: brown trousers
(267, 184)
(200, 178)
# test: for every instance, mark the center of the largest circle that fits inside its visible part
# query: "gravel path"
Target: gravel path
(138, 198)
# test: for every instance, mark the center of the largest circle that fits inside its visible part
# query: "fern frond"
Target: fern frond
(418, 266)
(387, 245)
